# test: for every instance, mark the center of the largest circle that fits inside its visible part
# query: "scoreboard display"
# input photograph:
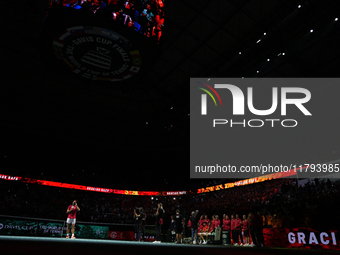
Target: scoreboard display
(103, 40)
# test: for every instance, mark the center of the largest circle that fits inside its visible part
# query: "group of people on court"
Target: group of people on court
(234, 227)
(238, 231)
(139, 216)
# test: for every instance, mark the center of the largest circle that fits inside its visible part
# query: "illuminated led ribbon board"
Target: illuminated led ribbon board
(150, 193)
(89, 188)
(263, 178)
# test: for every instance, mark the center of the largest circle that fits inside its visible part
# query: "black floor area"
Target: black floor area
(51, 245)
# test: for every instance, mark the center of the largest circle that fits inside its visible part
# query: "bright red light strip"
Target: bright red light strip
(250, 181)
(78, 187)
(151, 193)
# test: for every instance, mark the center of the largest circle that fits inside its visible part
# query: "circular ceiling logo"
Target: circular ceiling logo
(97, 53)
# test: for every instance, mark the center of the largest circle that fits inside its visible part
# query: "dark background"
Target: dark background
(59, 128)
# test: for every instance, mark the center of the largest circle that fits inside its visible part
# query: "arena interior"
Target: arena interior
(113, 131)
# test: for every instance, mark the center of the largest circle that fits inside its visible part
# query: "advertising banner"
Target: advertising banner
(50, 229)
(9, 226)
(91, 231)
(121, 235)
(17, 227)
(303, 238)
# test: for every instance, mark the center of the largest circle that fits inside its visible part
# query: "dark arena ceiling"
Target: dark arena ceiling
(122, 136)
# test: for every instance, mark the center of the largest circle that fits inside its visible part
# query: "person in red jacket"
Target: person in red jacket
(206, 219)
(199, 230)
(215, 223)
(213, 220)
(189, 224)
(233, 230)
(203, 232)
(71, 218)
(238, 229)
(201, 221)
(206, 231)
(223, 220)
(226, 227)
(210, 229)
(245, 228)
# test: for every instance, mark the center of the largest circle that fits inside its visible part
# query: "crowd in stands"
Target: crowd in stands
(144, 16)
(282, 203)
